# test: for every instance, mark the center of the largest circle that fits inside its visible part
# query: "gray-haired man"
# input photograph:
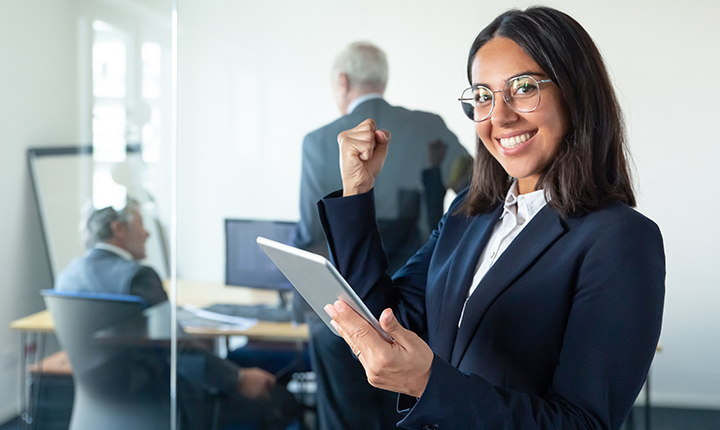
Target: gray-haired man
(416, 175)
(116, 242)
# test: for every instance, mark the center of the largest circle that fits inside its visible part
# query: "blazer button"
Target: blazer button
(430, 427)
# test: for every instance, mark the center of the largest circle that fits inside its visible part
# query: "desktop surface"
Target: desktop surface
(257, 311)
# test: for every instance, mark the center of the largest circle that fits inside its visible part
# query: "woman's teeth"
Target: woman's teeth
(512, 142)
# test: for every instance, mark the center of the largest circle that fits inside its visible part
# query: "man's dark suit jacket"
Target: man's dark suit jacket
(559, 334)
(400, 191)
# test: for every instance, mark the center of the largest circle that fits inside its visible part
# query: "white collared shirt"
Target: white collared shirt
(363, 98)
(517, 212)
(115, 250)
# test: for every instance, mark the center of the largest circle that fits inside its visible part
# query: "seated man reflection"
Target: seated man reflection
(116, 244)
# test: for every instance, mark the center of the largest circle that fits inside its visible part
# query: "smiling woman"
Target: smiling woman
(513, 312)
(522, 138)
(578, 156)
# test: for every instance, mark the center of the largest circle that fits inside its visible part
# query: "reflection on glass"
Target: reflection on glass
(151, 70)
(109, 65)
(109, 61)
(107, 192)
(148, 117)
(108, 131)
(124, 99)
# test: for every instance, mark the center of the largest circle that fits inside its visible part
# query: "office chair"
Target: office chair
(119, 384)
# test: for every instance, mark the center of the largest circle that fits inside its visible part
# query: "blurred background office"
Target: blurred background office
(100, 71)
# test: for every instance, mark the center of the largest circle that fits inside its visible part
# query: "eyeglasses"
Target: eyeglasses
(521, 94)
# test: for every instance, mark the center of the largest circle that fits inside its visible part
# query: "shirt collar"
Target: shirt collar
(115, 250)
(529, 203)
(363, 98)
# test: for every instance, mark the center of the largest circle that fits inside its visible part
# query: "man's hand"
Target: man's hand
(255, 383)
(362, 154)
(402, 366)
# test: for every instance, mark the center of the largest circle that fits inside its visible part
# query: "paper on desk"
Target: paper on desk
(217, 319)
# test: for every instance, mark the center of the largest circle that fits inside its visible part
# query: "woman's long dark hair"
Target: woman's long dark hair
(590, 169)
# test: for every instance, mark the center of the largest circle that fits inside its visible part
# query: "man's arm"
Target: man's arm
(313, 186)
(147, 284)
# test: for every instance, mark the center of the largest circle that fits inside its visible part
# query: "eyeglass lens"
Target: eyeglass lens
(522, 94)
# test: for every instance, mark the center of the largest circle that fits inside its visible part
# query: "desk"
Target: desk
(33, 328)
(41, 323)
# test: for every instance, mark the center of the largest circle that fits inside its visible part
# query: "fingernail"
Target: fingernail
(335, 325)
(329, 309)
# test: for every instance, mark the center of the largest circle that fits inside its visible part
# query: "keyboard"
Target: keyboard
(260, 312)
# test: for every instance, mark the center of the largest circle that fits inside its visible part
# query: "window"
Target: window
(128, 96)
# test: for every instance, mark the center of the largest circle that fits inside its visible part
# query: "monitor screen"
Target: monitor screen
(245, 263)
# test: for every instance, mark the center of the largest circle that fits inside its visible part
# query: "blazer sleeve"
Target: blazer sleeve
(147, 284)
(356, 251)
(609, 340)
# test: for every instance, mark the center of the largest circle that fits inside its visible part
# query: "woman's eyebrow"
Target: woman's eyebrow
(527, 72)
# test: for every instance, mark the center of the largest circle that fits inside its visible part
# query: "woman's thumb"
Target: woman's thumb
(390, 324)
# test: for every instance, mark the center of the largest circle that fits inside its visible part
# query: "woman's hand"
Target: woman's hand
(402, 366)
(362, 154)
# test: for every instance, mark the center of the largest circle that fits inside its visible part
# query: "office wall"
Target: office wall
(38, 106)
(254, 80)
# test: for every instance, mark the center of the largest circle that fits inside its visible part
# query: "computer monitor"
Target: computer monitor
(245, 263)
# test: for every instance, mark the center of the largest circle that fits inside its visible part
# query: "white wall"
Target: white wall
(254, 80)
(37, 107)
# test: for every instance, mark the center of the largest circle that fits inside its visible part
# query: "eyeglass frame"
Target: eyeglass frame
(492, 107)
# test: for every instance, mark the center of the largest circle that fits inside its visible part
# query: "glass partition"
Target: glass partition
(105, 209)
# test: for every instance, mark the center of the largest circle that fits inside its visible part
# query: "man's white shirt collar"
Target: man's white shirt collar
(363, 98)
(115, 250)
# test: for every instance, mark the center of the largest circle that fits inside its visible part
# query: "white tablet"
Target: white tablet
(316, 280)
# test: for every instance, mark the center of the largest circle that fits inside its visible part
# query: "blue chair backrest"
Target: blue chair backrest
(79, 316)
(96, 296)
(118, 385)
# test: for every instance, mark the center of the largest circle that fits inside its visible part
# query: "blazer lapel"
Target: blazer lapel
(542, 231)
(473, 240)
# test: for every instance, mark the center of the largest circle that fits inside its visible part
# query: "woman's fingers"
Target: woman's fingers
(362, 154)
(358, 141)
(402, 366)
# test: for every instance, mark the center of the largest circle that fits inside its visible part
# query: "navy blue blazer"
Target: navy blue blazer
(560, 333)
